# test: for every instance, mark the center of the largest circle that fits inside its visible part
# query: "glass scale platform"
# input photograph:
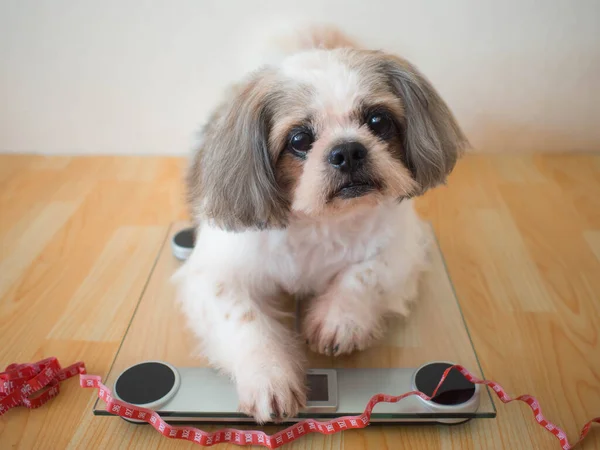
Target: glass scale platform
(435, 331)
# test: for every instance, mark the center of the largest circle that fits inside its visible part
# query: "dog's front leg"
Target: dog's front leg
(241, 336)
(349, 315)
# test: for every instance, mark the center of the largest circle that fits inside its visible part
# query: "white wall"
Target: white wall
(125, 76)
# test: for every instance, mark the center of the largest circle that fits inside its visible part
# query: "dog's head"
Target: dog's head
(324, 133)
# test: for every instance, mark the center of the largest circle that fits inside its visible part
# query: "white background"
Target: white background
(108, 76)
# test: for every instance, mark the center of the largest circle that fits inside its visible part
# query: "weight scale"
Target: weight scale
(155, 365)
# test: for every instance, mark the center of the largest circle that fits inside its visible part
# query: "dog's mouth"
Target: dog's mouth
(354, 189)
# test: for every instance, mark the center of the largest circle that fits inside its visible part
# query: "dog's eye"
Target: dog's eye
(301, 142)
(380, 124)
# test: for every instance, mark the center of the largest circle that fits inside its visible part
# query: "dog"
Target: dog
(303, 183)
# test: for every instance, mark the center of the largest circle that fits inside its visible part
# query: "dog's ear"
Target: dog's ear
(432, 138)
(232, 181)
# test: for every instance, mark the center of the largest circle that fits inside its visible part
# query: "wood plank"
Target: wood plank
(102, 306)
(23, 243)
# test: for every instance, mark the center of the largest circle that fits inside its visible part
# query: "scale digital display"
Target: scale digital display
(318, 388)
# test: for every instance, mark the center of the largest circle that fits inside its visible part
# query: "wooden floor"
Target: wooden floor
(520, 235)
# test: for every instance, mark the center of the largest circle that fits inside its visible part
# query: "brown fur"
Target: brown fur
(289, 170)
(248, 316)
(318, 179)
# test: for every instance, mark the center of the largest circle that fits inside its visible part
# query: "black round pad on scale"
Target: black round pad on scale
(455, 390)
(145, 383)
(183, 243)
(185, 238)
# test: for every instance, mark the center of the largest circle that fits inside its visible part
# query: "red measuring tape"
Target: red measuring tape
(32, 385)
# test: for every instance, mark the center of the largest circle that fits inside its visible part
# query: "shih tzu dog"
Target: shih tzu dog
(302, 184)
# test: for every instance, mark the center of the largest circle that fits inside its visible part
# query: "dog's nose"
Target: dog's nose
(347, 157)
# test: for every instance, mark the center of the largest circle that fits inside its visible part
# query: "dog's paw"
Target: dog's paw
(271, 394)
(331, 330)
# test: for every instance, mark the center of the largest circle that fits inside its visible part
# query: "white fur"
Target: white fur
(359, 268)
(336, 86)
